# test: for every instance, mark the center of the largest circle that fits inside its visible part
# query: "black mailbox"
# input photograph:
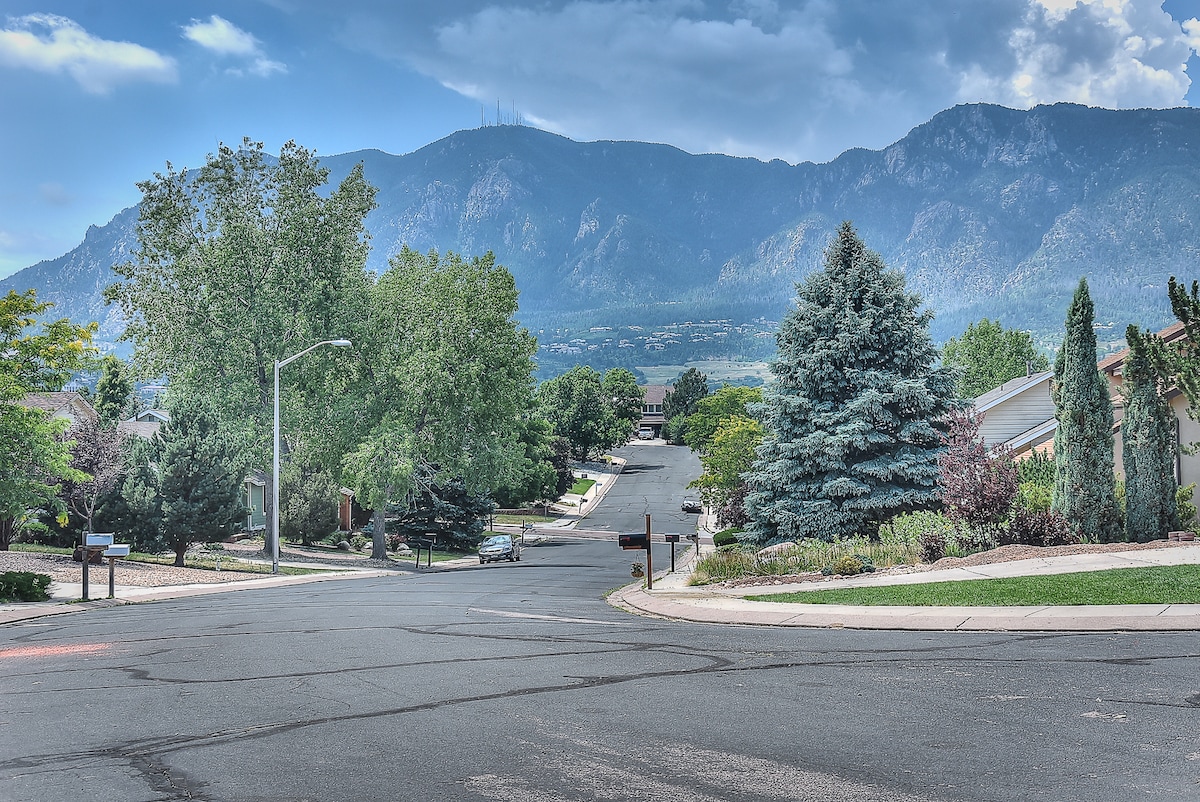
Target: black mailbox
(631, 542)
(672, 538)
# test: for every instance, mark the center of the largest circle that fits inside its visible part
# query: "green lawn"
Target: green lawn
(582, 486)
(1173, 584)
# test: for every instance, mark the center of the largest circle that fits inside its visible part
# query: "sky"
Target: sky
(96, 95)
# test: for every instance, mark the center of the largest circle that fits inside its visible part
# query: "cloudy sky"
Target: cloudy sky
(95, 96)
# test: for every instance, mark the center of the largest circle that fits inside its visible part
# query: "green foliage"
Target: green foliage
(186, 486)
(808, 556)
(1185, 508)
(987, 355)
(98, 452)
(726, 537)
(1040, 528)
(1083, 443)
(447, 510)
(38, 357)
(977, 484)
(1037, 468)
(114, 391)
(682, 401)
(443, 382)
(729, 455)
(1148, 444)
(308, 504)
(580, 406)
(534, 474)
(729, 401)
(1034, 497)
(853, 419)
(23, 586)
(850, 565)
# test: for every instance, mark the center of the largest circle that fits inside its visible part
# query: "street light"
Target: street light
(275, 475)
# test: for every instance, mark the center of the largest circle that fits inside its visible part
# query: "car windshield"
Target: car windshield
(497, 540)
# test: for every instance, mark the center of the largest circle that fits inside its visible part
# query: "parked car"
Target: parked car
(645, 433)
(691, 505)
(499, 547)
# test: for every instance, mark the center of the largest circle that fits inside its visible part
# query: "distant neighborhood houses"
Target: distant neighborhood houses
(1020, 414)
(661, 339)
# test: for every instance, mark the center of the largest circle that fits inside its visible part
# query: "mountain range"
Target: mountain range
(615, 246)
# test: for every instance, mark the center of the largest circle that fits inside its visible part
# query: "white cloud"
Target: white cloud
(796, 80)
(53, 44)
(224, 38)
(1111, 53)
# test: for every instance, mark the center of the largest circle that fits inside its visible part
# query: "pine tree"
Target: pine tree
(188, 486)
(1084, 482)
(852, 419)
(114, 391)
(1149, 447)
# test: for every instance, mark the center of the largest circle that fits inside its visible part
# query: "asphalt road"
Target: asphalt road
(516, 681)
(654, 482)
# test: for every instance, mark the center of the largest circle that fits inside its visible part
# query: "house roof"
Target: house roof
(656, 393)
(59, 403)
(1010, 389)
(138, 428)
(1114, 362)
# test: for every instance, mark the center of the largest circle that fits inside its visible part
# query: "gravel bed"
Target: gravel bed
(998, 555)
(62, 568)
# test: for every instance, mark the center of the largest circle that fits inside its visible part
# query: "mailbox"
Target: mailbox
(116, 550)
(99, 541)
(633, 542)
(672, 538)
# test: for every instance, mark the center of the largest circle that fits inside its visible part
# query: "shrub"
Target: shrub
(964, 540)
(1040, 529)
(933, 545)
(394, 542)
(23, 586)
(1184, 507)
(1034, 497)
(358, 542)
(726, 537)
(1037, 468)
(850, 565)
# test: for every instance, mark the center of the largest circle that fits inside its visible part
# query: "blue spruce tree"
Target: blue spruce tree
(852, 419)
(1084, 482)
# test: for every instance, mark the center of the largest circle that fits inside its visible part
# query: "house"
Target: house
(65, 404)
(1187, 466)
(1018, 413)
(652, 407)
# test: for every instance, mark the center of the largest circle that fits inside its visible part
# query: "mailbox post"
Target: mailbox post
(93, 543)
(672, 539)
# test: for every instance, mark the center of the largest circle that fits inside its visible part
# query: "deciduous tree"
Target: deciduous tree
(39, 356)
(98, 452)
(978, 486)
(681, 402)
(730, 401)
(853, 418)
(114, 391)
(987, 355)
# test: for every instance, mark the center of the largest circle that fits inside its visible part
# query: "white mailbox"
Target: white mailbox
(96, 540)
(116, 550)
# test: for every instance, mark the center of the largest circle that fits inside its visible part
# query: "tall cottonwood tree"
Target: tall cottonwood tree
(580, 406)
(852, 419)
(1149, 447)
(987, 355)
(444, 379)
(1084, 481)
(243, 262)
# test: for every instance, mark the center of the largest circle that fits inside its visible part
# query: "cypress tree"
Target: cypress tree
(1084, 482)
(852, 420)
(1149, 447)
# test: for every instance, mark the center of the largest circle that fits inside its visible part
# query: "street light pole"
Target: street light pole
(275, 462)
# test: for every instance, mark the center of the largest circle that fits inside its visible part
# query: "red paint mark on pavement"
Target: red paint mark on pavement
(54, 651)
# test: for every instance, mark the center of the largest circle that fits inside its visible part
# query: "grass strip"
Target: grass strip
(582, 486)
(1171, 584)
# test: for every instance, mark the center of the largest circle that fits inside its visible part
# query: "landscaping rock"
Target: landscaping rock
(771, 552)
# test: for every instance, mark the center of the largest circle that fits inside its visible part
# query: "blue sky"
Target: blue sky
(96, 96)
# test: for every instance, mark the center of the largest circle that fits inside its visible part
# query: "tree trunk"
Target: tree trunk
(180, 550)
(7, 526)
(379, 536)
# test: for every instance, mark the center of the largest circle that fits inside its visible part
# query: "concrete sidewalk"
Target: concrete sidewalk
(672, 598)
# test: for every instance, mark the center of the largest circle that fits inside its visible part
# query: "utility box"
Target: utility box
(637, 542)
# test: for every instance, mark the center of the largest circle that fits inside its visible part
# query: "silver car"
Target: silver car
(499, 547)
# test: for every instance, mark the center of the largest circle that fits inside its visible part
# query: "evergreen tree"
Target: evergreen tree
(1149, 448)
(681, 401)
(1084, 482)
(853, 417)
(114, 391)
(188, 486)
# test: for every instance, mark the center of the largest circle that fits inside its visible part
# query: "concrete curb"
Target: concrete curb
(673, 599)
